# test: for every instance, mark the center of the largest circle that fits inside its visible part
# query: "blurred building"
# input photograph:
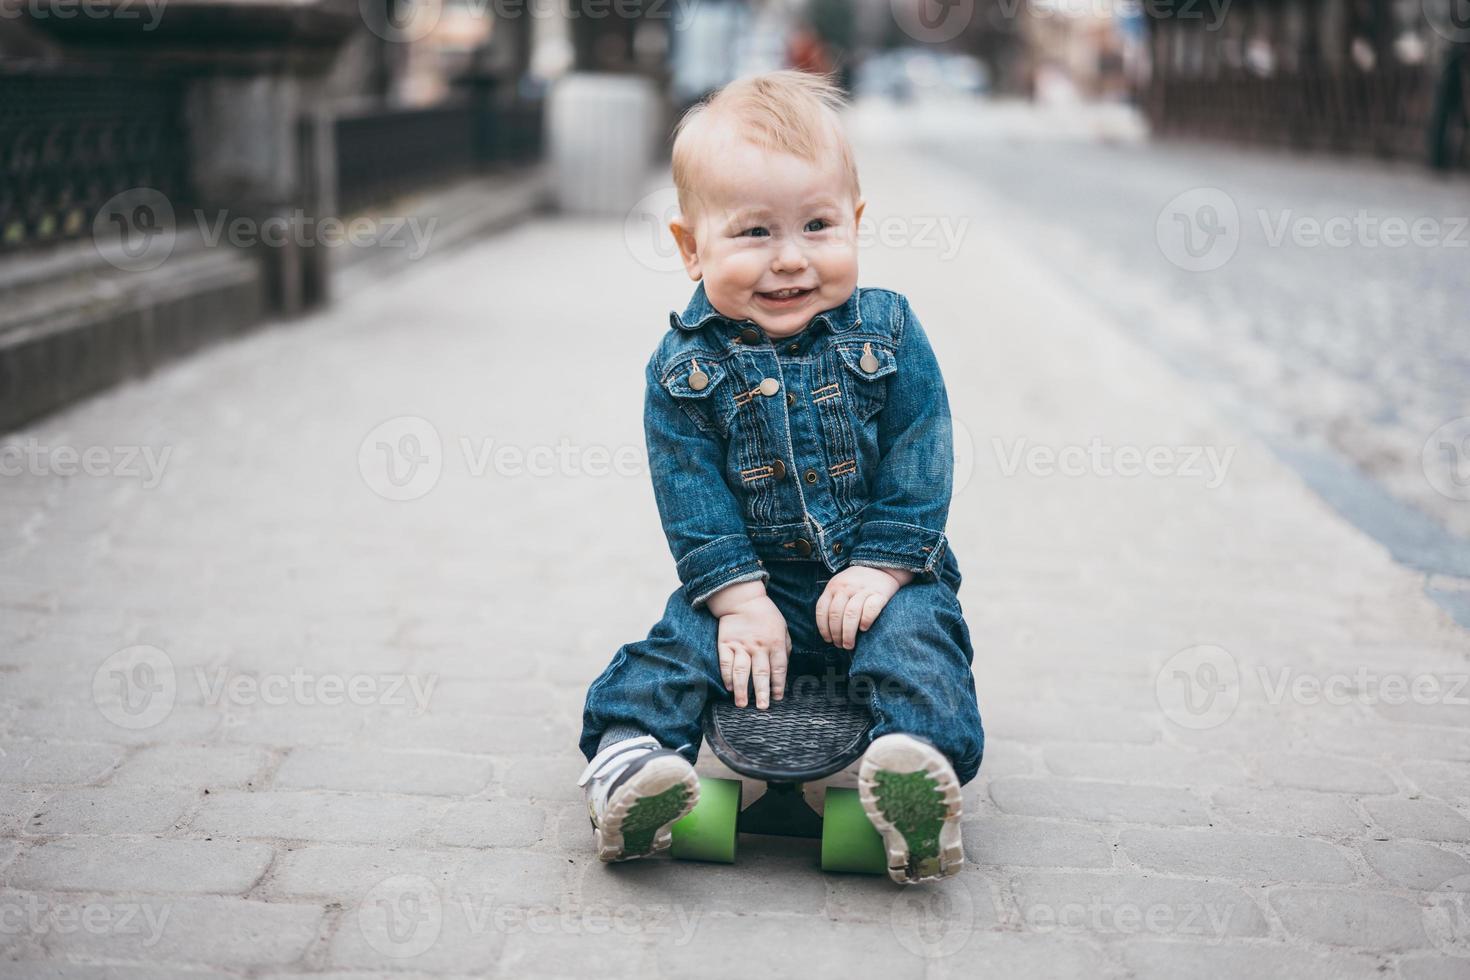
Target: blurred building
(169, 171)
(1386, 78)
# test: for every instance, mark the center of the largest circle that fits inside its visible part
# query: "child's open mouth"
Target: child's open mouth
(785, 297)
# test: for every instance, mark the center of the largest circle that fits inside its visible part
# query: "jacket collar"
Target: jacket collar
(699, 312)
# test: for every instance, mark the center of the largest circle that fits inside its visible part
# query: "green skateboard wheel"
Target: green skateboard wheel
(707, 833)
(849, 841)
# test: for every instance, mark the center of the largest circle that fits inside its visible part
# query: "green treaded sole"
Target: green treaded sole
(649, 814)
(911, 801)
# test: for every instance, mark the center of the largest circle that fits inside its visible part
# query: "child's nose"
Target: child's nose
(789, 256)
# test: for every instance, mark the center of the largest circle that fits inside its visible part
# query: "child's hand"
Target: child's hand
(853, 599)
(753, 643)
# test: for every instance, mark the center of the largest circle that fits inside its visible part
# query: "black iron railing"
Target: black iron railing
(385, 153)
(70, 141)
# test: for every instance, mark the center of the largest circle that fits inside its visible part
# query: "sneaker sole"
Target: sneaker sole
(637, 822)
(912, 796)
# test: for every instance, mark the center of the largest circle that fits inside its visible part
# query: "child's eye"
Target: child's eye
(758, 231)
(819, 222)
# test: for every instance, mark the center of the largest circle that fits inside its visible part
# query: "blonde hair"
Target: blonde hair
(791, 111)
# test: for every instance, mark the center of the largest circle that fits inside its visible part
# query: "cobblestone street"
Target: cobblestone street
(292, 685)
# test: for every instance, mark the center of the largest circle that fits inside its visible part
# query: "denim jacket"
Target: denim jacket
(832, 445)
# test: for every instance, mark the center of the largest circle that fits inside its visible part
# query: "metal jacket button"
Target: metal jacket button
(770, 386)
(790, 399)
(778, 470)
(698, 380)
(793, 348)
(749, 335)
(803, 547)
(810, 476)
(836, 547)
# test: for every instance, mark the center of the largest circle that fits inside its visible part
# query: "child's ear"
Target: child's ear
(857, 212)
(684, 238)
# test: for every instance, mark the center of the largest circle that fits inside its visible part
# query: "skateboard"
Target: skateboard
(818, 729)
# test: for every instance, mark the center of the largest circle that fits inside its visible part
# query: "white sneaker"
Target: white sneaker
(635, 791)
(912, 795)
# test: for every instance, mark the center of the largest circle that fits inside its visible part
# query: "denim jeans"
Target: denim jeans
(913, 665)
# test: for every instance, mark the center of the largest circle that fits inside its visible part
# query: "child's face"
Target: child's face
(769, 221)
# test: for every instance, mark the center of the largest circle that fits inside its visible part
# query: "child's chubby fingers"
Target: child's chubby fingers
(835, 612)
(824, 605)
(872, 606)
(780, 661)
(727, 663)
(852, 613)
(760, 673)
(740, 672)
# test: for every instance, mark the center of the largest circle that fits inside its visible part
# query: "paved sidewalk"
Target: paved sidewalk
(259, 719)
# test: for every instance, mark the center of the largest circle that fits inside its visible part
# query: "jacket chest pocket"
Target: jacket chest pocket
(868, 368)
(704, 392)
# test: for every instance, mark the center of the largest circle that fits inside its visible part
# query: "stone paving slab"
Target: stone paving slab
(314, 730)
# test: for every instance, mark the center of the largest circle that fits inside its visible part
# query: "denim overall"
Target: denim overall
(786, 460)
